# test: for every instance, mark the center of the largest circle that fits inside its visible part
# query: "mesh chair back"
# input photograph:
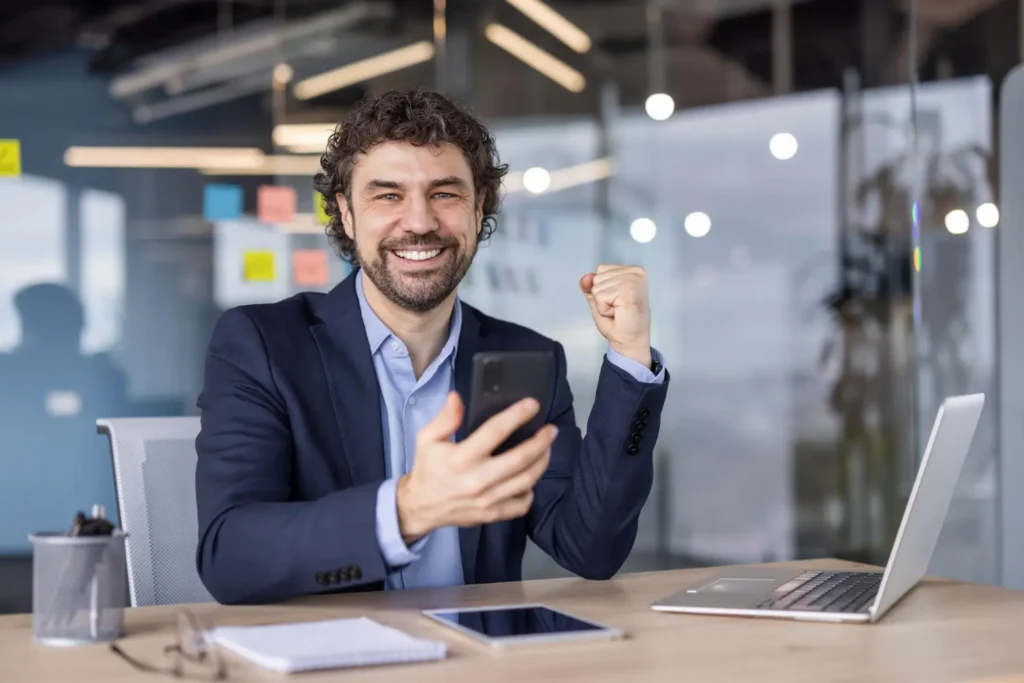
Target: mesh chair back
(154, 475)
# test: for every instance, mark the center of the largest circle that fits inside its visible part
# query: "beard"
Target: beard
(419, 292)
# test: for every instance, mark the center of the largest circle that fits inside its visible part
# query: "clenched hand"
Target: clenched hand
(619, 304)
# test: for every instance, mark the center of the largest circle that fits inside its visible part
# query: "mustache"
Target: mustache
(419, 242)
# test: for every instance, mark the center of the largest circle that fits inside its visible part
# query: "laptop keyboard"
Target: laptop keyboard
(817, 591)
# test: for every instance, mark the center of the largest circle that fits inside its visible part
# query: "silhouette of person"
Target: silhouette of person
(50, 398)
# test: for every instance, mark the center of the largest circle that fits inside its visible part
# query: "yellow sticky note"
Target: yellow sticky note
(258, 266)
(318, 207)
(10, 158)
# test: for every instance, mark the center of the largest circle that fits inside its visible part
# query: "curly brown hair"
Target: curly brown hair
(420, 117)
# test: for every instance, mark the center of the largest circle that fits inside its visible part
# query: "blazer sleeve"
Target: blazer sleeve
(587, 505)
(256, 544)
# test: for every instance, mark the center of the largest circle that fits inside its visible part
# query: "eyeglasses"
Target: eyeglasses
(190, 657)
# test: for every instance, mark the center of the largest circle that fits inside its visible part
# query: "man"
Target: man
(333, 454)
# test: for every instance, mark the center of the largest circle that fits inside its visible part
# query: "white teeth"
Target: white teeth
(418, 255)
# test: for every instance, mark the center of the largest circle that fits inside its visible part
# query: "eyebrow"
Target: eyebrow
(450, 181)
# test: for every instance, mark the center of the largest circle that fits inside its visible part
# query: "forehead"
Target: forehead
(405, 162)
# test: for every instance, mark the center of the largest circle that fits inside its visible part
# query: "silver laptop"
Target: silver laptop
(826, 595)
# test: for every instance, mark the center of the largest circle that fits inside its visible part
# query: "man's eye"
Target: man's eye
(389, 196)
(443, 195)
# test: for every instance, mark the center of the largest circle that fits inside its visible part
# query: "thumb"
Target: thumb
(447, 421)
(586, 286)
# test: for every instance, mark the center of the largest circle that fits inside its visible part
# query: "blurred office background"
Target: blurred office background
(812, 185)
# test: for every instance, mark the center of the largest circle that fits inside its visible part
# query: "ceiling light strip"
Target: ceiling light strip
(280, 165)
(260, 42)
(163, 157)
(543, 62)
(564, 178)
(304, 135)
(554, 23)
(364, 69)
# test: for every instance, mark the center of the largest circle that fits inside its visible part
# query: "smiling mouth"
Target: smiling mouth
(417, 254)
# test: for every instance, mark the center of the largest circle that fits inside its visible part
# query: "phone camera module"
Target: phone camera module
(492, 376)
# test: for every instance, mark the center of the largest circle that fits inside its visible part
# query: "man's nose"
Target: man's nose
(419, 217)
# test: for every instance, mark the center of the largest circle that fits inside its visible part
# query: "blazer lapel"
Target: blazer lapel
(472, 339)
(355, 394)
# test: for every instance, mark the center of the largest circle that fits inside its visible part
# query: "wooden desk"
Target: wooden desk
(942, 631)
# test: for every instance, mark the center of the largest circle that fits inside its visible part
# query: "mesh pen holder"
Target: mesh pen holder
(79, 584)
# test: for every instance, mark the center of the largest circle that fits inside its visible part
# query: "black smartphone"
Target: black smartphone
(502, 378)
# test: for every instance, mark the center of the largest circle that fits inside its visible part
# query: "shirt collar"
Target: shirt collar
(377, 332)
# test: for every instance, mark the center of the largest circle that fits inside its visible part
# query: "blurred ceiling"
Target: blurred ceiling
(168, 57)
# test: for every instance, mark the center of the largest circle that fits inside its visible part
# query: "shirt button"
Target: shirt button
(412, 400)
(394, 345)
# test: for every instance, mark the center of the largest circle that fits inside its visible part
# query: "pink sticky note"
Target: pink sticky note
(310, 268)
(276, 204)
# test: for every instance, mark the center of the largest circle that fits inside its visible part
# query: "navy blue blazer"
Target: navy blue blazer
(291, 455)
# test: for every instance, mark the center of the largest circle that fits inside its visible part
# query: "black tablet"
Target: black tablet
(533, 624)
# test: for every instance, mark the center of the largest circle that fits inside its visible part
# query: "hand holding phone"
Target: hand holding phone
(462, 484)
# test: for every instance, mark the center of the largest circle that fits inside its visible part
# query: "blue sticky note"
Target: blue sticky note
(222, 202)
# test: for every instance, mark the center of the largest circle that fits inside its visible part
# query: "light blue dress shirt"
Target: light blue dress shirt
(407, 405)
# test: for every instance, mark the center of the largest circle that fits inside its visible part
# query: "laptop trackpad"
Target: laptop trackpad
(737, 586)
(730, 592)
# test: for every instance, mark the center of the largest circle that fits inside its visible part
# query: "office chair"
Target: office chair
(154, 476)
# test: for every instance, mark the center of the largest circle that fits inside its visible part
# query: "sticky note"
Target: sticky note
(310, 268)
(222, 202)
(258, 266)
(276, 204)
(10, 158)
(318, 208)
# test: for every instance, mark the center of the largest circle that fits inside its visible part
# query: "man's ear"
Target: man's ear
(345, 212)
(480, 216)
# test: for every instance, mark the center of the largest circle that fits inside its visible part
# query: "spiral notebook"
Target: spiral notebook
(331, 644)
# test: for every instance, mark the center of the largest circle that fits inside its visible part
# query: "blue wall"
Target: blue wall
(52, 466)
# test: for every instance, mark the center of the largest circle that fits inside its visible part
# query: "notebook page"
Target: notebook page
(325, 644)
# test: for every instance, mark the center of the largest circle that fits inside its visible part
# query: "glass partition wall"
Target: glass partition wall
(962, 305)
